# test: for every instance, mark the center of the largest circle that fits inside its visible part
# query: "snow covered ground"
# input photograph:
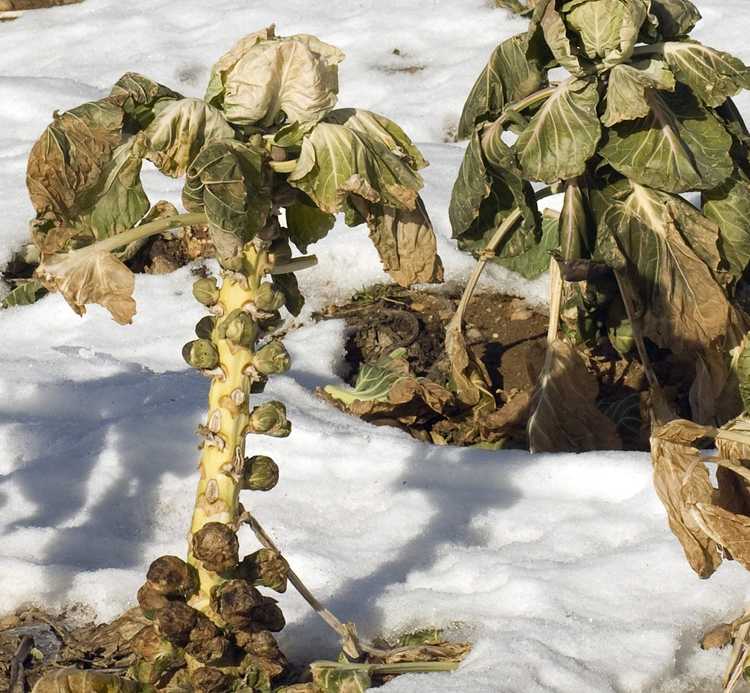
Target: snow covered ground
(559, 568)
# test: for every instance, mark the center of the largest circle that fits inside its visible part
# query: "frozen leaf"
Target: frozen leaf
(88, 276)
(307, 224)
(628, 87)
(608, 29)
(295, 78)
(216, 84)
(729, 207)
(24, 294)
(337, 161)
(675, 17)
(339, 680)
(712, 75)
(406, 243)
(563, 135)
(678, 146)
(71, 155)
(681, 481)
(564, 415)
(515, 70)
(673, 259)
(549, 20)
(139, 96)
(374, 380)
(379, 129)
(180, 130)
(229, 182)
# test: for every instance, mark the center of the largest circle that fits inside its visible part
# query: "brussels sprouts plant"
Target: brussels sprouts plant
(267, 162)
(611, 103)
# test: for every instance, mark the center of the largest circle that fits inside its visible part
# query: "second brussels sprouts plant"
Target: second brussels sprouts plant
(267, 161)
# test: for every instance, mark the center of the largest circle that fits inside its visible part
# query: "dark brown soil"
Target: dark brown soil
(509, 338)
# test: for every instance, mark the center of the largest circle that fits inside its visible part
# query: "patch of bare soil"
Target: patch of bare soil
(509, 339)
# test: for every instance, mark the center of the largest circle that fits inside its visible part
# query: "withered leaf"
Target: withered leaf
(727, 529)
(88, 276)
(681, 481)
(564, 416)
(406, 243)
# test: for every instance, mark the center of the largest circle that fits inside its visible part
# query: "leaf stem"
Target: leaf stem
(648, 49)
(151, 229)
(385, 669)
(512, 111)
(283, 166)
(346, 632)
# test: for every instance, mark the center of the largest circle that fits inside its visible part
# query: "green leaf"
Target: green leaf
(741, 364)
(228, 180)
(628, 87)
(287, 284)
(729, 207)
(563, 135)
(483, 193)
(336, 162)
(307, 224)
(118, 202)
(179, 131)
(679, 146)
(379, 129)
(341, 680)
(70, 156)
(24, 294)
(673, 260)
(374, 380)
(522, 252)
(139, 96)
(515, 70)
(547, 17)
(675, 17)
(608, 29)
(712, 75)
(267, 81)
(575, 223)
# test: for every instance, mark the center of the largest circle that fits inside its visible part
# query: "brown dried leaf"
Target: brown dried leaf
(438, 652)
(91, 276)
(469, 377)
(727, 529)
(406, 243)
(512, 416)
(85, 681)
(681, 481)
(564, 416)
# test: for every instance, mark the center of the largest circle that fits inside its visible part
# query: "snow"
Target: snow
(559, 568)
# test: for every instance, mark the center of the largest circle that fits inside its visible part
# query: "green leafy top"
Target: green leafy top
(265, 138)
(644, 115)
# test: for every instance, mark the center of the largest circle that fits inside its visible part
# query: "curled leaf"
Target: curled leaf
(179, 131)
(229, 182)
(678, 146)
(564, 415)
(263, 78)
(336, 161)
(515, 70)
(729, 530)
(682, 483)
(712, 75)
(674, 17)
(406, 243)
(89, 276)
(627, 90)
(139, 96)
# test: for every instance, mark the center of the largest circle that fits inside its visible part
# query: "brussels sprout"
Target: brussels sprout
(201, 354)
(267, 568)
(272, 358)
(216, 546)
(270, 419)
(206, 291)
(175, 621)
(269, 615)
(210, 680)
(235, 601)
(261, 473)
(172, 577)
(268, 298)
(205, 327)
(239, 328)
